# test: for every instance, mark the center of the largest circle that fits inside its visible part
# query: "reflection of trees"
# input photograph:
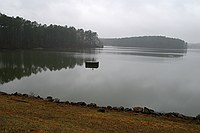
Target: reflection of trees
(160, 52)
(153, 52)
(18, 64)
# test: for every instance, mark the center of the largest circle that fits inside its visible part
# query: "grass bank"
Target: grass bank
(29, 114)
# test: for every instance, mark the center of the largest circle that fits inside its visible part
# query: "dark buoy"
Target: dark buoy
(92, 64)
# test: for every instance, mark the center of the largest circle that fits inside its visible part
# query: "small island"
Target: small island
(159, 42)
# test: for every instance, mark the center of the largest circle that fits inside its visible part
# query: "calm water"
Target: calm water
(162, 80)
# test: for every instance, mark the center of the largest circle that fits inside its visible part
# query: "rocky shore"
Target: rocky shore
(142, 110)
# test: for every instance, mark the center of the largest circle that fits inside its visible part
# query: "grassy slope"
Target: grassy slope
(22, 114)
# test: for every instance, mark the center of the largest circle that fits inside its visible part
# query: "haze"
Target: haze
(114, 18)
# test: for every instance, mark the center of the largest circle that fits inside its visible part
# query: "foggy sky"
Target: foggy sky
(114, 18)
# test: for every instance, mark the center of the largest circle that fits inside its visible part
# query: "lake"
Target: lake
(166, 81)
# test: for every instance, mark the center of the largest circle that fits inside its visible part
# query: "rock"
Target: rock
(127, 109)
(170, 114)
(25, 95)
(92, 105)
(67, 102)
(198, 117)
(174, 114)
(138, 109)
(50, 99)
(61, 102)
(103, 107)
(17, 94)
(115, 108)
(101, 110)
(148, 111)
(82, 103)
(3, 93)
(190, 118)
(109, 107)
(118, 108)
(56, 100)
(179, 115)
(73, 103)
(38, 97)
(157, 113)
(121, 108)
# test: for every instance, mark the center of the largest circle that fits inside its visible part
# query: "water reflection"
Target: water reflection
(18, 64)
(162, 83)
(170, 53)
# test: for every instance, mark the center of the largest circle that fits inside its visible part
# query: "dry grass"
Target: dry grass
(20, 114)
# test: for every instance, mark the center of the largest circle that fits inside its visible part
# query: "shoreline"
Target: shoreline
(104, 109)
(33, 114)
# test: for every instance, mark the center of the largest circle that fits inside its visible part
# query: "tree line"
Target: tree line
(17, 33)
(147, 42)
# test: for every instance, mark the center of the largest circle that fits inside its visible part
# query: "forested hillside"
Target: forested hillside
(16, 33)
(147, 41)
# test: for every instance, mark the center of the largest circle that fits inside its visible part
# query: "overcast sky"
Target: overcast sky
(114, 18)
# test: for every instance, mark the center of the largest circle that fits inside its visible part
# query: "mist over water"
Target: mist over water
(166, 81)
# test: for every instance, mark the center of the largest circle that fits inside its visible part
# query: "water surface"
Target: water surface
(166, 81)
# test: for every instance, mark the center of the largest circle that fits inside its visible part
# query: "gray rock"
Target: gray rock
(101, 110)
(17, 94)
(109, 107)
(190, 118)
(38, 97)
(3, 93)
(121, 108)
(115, 108)
(179, 115)
(138, 109)
(25, 95)
(82, 103)
(73, 103)
(157, 113)
(56, 100)
(148, 111)
(169, 115)
(174, 114)
(198, 117)
(67, 102)
(92, 105)
(127, 109)
(50, 99)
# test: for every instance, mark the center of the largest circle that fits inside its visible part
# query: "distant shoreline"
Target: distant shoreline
(161, 42)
